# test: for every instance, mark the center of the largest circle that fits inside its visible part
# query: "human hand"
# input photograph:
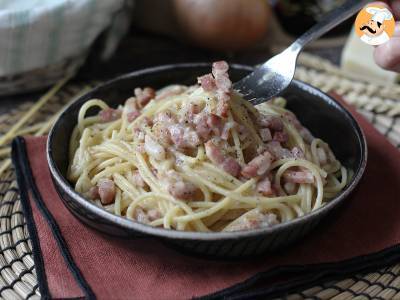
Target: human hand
(387, 55)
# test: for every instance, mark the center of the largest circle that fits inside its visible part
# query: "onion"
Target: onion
(223, 24)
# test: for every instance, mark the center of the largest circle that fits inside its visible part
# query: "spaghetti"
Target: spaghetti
(201, 158)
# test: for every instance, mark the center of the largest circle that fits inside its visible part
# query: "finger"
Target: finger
(387, 55)
(395, 5)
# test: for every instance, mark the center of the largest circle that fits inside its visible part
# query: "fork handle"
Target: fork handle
(328, 22)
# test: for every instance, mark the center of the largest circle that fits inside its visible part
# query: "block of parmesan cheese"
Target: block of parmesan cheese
(357, 59)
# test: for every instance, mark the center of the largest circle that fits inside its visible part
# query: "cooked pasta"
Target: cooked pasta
(201, 158)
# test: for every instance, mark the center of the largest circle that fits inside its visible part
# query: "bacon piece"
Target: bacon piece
(144, 96)
(106, 191)
(252, 220)
(264, 187)
(207, 82)
(165, 117)
(182, 190)
(304, 176)
(258, 166)
(298, 153)
(109, 114)
(153, 214)
(161, 123)
(153, 148)
(202, 128)
(131, 116)
(280, 136)
(265, 134)
(183, 136)
(94, 193)
(231, 166)
(138, 180)
(223, 83)
(177, 186)
(275, 148)
(141, 216)
(223, 107)
(272, 122)
(228, 164)
(220, 68)
(215, 123)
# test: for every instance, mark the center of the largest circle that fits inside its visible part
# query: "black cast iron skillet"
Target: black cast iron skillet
(326, 119)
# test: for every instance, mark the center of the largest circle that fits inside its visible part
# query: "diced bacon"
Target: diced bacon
(94, 193)
(215, 123)
(280, 136)
(202, 128)
(192, 111)
(275, 148)
(265, 134)
(131, 116)
(109, 114)
(182, 190)
(223, 83)
(265, 188)
(106, 191)
(144, 96)
(214, 153)
(219, 68)
(165, 117)
(258, 166)
(272, 122)
(290, 187)
(223, 107)
(298, 153)
(183, 136)
(228, 164)
(207, 82)
(138, 180)
(147, 121)
(141, 216)
(298, 176)
(322, 157)
(252, 220)
(231, 166)
(153, 214)
(153, 148)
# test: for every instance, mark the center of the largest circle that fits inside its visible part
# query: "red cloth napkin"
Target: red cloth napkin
(73, 260)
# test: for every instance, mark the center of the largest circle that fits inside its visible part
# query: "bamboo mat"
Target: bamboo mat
(381, 105)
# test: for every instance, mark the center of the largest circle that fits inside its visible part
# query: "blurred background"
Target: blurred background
(43, 40)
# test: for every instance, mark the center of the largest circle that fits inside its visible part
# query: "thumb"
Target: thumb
(387, 55)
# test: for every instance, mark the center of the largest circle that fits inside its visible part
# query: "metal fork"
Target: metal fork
(275, 75)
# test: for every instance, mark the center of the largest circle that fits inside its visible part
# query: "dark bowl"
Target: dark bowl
(325, 117)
